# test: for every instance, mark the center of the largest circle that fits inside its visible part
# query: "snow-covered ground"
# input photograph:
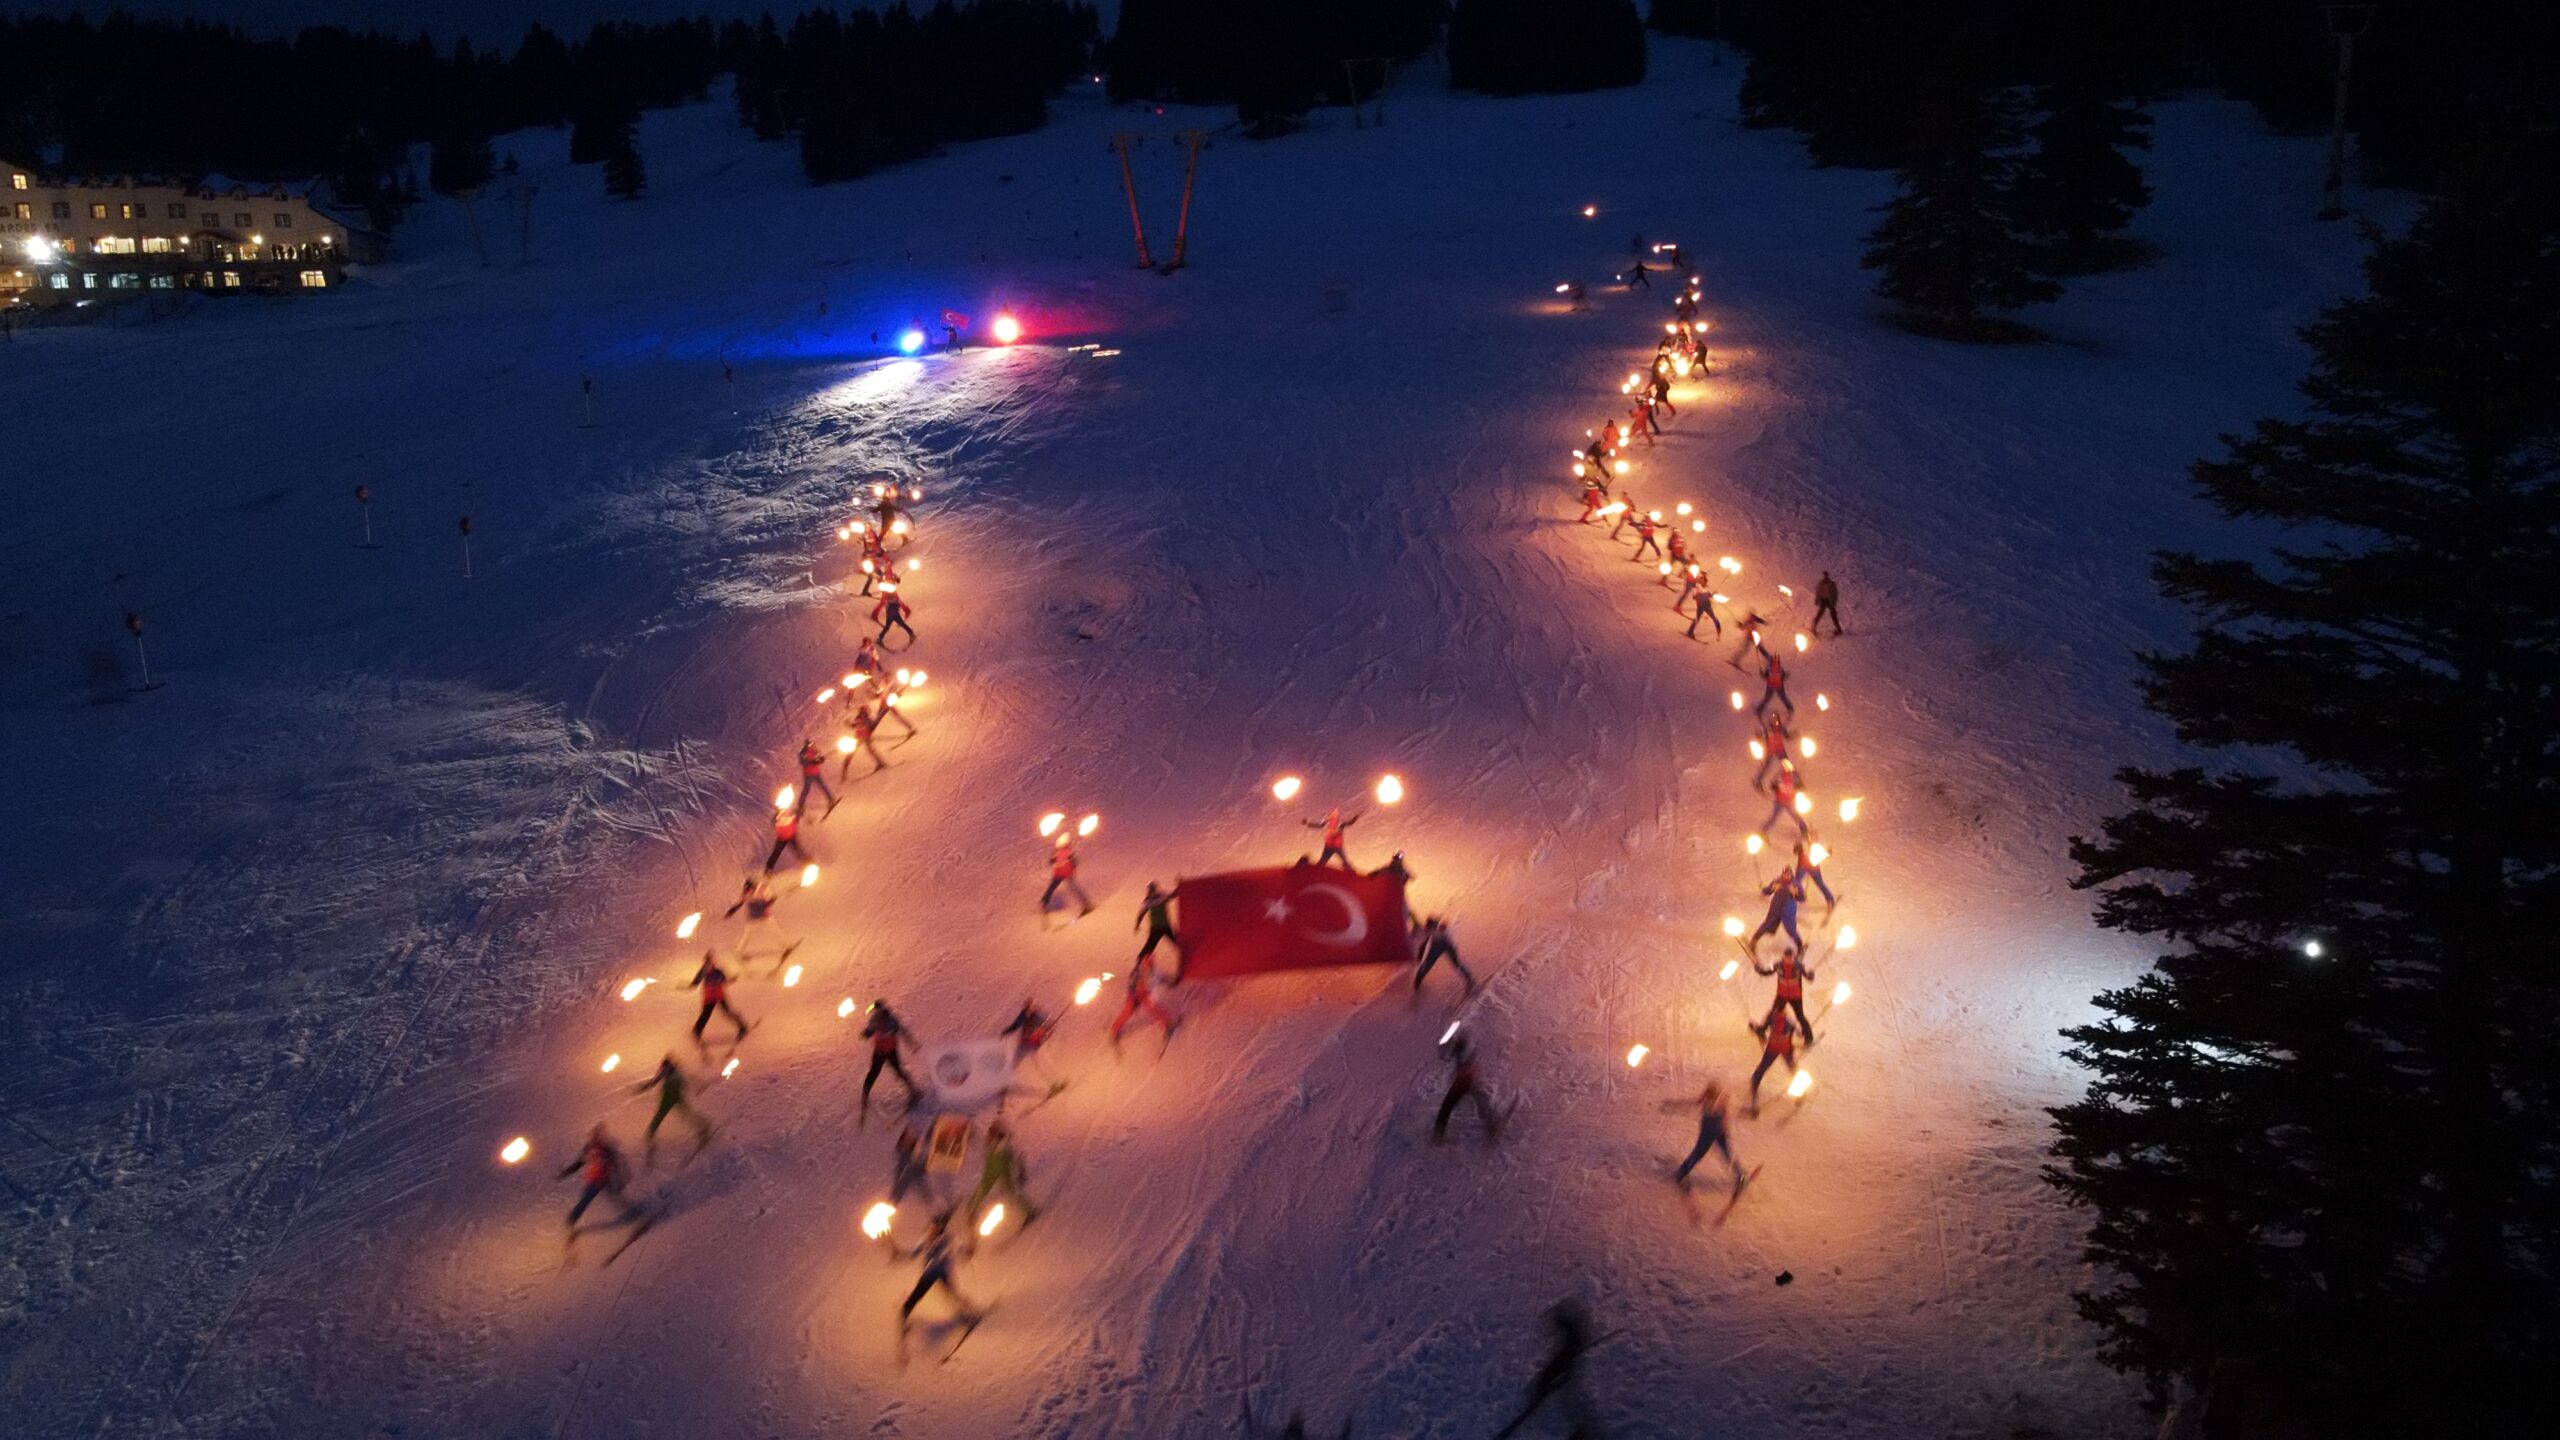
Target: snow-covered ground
(304, 935)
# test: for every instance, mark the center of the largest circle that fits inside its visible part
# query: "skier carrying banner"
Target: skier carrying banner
(1156, 913)
(713, 982)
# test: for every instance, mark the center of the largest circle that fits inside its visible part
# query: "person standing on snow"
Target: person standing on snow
(1435, 945)
(1030, 1028)
(786, 836)
(813, 764)
(755, 897)
(1595, 497)
(892, 610)
(601, 1171)
(1784, 801)
(1826, 601)
(1777, 1042)
(1333, 826)
(938, 1250)
(1783, 899)
(1156, 913)
(1662, 394)
(1776, 748)
(1645, 524)
(1464, 1084)
(1714, 1133)
(1640, 420)
(713, 982)
(864, 725)
(670, 1083)
(886, 1034)
(1706, 611)
(1062, 872)
(866, 659)
(1002, 1170)
(1792, 975)
(1562, 1374)
(1749, 625)
(1640, 278)
(1142, 997)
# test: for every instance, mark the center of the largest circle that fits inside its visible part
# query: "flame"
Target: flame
(914, 565)
(515, 1150)
(1800, 1084)
(1589, 211)
(631, 991)
(1821, 701)
(790, 977)
(1729, 565)
(1804, 803)
(826, 695)
(844, 1008)
(1682, 508)
(1737, 699)
(1802, 644)
(1753, 844)
(1840, 993)
(1663, 569)
(851, 679)
(1731, 968)
(918, 682)
(1390, 790)
(1848, 937)
(905, 674)
(729, 1069)
(808, 876)
(1733, 926)
(1050, 822)
(1088, 825)
(686, 926)
(845, 744)
(612, 1063)
(1084, 992)
(1817, 852)
(1849, 807)
(1635, 1055)
(1787, 590)
(995, 1217)
(898, 526)
(1698, 527)
(844, 532)
(875, 1221)
(890, 700)
(1621, 466)
(1759, 751)
(1286, 787)
(1805, 746)
(783, 797)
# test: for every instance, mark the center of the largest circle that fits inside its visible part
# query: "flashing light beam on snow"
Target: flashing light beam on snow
(1849, 807)
(612, 1063)
(1286, 787)
(631, 991)
(875, 1221)
(1050, 822)
(1007, 329)
(1636, 1054)
(1840, 993)
(1800, 1084)
(514, 1151)
(995, 1217)
(1088, 990)
(686, 926)
(1088, 825)
(844, 1008)
(1731, 969)
(1733, 926)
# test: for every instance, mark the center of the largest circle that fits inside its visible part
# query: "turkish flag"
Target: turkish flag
(1294, 918)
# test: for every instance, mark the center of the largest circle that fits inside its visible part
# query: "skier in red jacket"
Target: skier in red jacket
(1777, 1042)
(1333, 826)
(1142, 997)
(601, 1171)
(1792, 975)
(1062, 873)
(813, 765)
(713, 982)
(786, 836)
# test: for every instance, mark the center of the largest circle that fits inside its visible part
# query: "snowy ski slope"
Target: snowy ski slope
(304, 935)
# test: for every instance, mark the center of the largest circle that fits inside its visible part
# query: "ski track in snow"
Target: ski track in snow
(308, 932)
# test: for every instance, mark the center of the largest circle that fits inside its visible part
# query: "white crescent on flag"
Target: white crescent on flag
(1355, 927)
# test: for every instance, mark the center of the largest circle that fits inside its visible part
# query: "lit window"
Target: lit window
(124, 281)
(17, 181)
(230, 279)
(315, 279)
(155, 245)
(114, 245)
(128, 213)
(98, 212)
(26, 211)
(88, 280)
(164, 282)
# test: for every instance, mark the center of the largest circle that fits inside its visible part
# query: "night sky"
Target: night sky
(484, 21)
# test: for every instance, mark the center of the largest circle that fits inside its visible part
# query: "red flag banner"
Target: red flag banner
(1297, 917)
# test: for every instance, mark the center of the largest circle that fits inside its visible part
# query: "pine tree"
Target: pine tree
(1949, 246)
(624, 176)
(2328, 1182)
(2078, 191)
(459, 162)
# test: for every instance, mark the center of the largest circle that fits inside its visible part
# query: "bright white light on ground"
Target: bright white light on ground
(1753, 844)
(1733, 926)
(1848, 937)
(844, 1008)
(1088, 825)
(2312, 949)
(1840, 993)
(1286, 787)
(1636, 1054)
(1086, 991)
(790, 977)
(783, 797)
(1007, 329)
(875, 1221)
(686, 926)
(1849, 807)
(632, 989)
(1731, 969)
(1821, 701)
(1805, 747)
(1390, 790)
(729, 1069)
(612, 1063)
(515, 1150)
(995, 1217)
(1800, 1084)
(1816, 852)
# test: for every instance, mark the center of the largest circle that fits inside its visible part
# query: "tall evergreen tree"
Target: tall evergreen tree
(459, 163)
(2078, 191)
(624, 176)
(1950, 247)
(2328, 1185)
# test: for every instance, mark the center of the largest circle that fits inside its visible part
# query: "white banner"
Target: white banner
(966, 1074)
